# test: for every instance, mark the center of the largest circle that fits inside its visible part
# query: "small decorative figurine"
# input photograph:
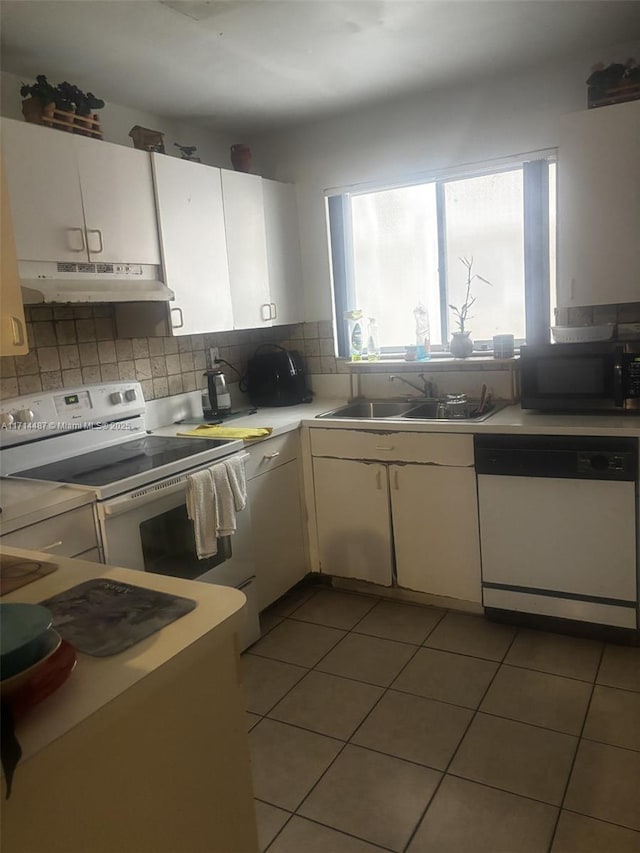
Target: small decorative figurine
(187, 152)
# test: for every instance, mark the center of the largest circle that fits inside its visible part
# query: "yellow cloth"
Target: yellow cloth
(213, 431)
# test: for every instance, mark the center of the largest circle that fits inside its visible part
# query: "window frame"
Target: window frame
(535, 172)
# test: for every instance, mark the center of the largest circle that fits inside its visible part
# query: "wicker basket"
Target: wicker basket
(597, 97)
(36, 112)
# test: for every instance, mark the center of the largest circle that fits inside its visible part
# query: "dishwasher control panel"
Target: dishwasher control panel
(603, 462)
(571, 457)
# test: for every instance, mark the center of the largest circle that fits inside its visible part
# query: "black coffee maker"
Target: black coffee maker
(216, 399)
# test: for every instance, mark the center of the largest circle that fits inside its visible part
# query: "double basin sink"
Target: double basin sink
(422, 410)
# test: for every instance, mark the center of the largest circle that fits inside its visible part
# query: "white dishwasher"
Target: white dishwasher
(558, 519)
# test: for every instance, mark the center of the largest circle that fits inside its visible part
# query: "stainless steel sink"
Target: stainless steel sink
(370, 409)
(426, 410)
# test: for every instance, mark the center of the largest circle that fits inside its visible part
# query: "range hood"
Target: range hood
(65, 283)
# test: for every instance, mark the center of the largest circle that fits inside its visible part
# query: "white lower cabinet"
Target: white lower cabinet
(409, 525)
(352, 516)
(274, 494)
(435, 530)
(69, 534)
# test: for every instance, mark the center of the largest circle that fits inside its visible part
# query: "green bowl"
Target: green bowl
(23, 636)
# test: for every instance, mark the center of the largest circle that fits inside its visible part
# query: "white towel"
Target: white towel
(213, 497)
(201, 509)
(225, 506)
(238, 481)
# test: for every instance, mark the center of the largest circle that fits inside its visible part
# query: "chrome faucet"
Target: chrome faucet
(428, 388)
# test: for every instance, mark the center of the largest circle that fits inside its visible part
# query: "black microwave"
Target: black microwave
(584, 377)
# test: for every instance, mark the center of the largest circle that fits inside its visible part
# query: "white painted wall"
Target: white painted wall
(419, 135)
(116, 121)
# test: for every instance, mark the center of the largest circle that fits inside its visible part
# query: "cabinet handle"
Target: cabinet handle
(396, 484)
(274, 311)
(49, 547)
(79, 231)
(100, 243)
(382, 447)
(572, 289)
(266, 311)
(271, 455)
(179, 310)
(378, 479)
(18, 331)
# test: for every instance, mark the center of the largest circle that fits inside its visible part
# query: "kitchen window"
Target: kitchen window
(394, 247)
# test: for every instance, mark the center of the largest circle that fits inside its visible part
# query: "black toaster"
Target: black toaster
(276, 377)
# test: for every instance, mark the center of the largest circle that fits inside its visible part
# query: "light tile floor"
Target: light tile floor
(376, 725)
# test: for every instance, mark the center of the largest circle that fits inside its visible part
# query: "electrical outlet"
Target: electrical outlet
(214, 354)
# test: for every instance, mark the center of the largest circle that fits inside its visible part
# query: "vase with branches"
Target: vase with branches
(461, 345)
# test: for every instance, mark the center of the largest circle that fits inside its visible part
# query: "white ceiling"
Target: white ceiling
(255, 64)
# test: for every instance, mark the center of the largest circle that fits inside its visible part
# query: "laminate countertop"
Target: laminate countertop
(97, 681)
(25, 502)
(510, 420)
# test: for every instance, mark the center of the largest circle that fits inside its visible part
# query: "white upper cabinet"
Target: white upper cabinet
(194, 249)
(283, 252)
(78, 199)
(246, 249)
(599, 206)
(118, 201)
(44, 193)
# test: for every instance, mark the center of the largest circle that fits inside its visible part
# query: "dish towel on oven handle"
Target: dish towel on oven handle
(213, 496)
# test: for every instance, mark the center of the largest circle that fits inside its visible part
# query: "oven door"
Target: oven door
(149, 530)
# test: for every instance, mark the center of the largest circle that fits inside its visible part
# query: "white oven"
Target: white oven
(148, 529)
(93, 437)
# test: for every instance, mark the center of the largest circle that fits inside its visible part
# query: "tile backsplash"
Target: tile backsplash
(77, 345)
(594, 315)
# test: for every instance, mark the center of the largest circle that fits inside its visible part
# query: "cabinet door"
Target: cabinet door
(44, 193)
(277, 527)
(599, 206)
(194, 249)
(352, 515)
(13, 332)
(247, 249)
(119, 204)
(283, 252)
(435, 528)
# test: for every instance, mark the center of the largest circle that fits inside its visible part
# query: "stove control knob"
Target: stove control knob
(25, 416)
(116, 397)
(6, 419)
(130, 395)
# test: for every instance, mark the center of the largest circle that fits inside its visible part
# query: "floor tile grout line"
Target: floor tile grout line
(607, 743)
(617, 687)
(326, 826)
(548, 672)
(604, 820)
(455, 751)
(575, 753)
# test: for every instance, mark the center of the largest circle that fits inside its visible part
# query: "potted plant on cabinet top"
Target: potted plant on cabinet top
(461, 345)
(40, 98)
(64, 106)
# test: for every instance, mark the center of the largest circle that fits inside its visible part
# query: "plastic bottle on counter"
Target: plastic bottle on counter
(373, 345)
(423, 332)
(356, 334)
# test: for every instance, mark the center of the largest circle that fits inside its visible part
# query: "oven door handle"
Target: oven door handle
(148, 494)
(125, 503)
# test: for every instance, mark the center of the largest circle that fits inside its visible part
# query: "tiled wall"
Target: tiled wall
(76, 345)
(594, 315)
